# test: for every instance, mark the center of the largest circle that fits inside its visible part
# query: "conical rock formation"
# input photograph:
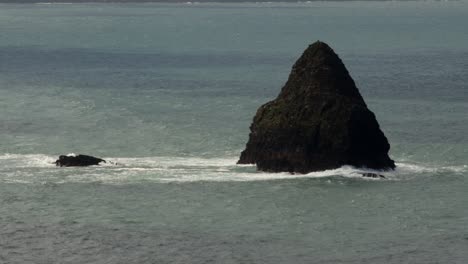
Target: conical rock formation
(318, 121)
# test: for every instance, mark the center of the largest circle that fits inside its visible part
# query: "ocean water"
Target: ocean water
(168, 91)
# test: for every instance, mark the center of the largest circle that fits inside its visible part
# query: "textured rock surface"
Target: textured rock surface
(318, 121)
(79, 160)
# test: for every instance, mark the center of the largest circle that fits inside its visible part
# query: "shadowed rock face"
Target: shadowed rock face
(318, 121)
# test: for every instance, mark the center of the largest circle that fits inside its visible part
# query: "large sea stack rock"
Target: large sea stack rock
(319, 121)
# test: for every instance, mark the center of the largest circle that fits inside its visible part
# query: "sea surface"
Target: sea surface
(167, 92)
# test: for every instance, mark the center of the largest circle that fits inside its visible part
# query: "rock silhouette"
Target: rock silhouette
(319, 121)
(77, 160)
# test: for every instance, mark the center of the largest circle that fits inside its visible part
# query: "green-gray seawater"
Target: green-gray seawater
(168, 91)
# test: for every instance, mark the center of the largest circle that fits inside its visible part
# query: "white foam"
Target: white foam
(345, 171)
(26, 161)
(407, 168)
(39, 167)
(171, 162)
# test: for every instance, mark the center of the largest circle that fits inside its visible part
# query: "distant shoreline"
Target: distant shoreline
(197, 1)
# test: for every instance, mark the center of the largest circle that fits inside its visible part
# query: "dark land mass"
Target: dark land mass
(319, 121)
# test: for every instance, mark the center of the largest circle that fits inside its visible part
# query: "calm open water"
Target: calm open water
(168, 92)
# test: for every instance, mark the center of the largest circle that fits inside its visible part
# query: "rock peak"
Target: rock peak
(318, 121)
(320, 70)
(320, 47)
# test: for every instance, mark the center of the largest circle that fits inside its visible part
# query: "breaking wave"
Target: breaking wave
(40, 168)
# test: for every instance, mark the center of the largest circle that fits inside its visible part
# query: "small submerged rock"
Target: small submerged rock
(372, 175)
(319, 121)
(77, 160)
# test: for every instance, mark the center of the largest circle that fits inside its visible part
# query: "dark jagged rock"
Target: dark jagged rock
(77, 160)
(318, 121)
(372, 175)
